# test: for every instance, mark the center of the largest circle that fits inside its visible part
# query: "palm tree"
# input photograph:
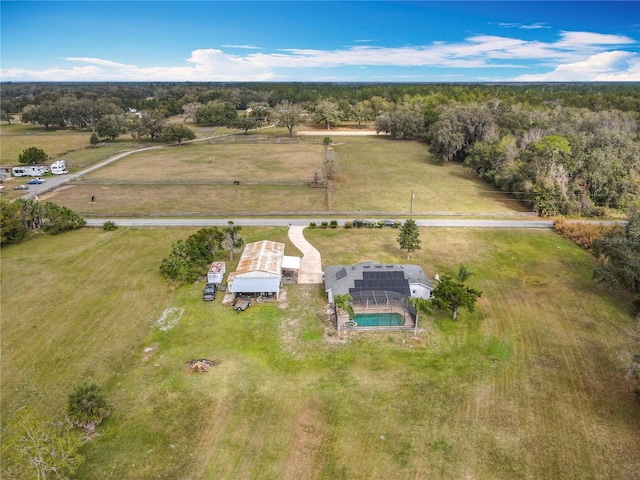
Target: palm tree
(342, 302)
(87, 406)
(463, 274)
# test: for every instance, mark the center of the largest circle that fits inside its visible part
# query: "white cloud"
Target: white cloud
(535, 26)
(96, 61)
(54, 74)
(575, 56)
(618, 66)
(246, 47)
(532, 26)
(577, 39)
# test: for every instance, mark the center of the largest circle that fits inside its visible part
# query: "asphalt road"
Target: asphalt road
(304, 222)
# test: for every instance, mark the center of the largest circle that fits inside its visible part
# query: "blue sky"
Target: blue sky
(382, 41)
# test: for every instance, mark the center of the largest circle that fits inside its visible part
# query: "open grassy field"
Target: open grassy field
(376, 175)
(73, 145)
(532, 385)
(16, 138)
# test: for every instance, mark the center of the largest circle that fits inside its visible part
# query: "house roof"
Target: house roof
(292, 263)
(264, 256)
(341, 279)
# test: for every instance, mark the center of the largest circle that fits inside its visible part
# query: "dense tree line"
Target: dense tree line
(619, 258)
(171, 96)
(558, 161)
(19, 218)
(560, 148)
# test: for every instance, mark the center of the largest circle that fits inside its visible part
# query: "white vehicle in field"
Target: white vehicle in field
(29, 171)
(59, 167)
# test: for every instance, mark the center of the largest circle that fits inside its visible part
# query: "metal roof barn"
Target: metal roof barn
(264, 256)
(259, 269)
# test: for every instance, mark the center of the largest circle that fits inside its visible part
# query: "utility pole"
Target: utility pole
(411, 204)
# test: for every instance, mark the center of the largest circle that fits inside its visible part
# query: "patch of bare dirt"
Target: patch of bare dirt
(202, 365)
(169, 318)
(304, 461)
(289, 335)
(150, 351)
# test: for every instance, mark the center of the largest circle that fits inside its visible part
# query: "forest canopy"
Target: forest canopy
(563, 149)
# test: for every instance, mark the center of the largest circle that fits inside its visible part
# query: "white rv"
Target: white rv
(29, 171)
(59, 167)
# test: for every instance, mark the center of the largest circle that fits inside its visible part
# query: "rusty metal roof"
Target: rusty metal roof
(265, 256)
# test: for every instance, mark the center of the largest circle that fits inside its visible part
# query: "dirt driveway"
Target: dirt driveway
(337, 133)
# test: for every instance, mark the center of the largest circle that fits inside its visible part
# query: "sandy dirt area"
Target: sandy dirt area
(336, 133)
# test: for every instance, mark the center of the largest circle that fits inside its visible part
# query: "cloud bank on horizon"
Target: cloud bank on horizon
(566, 56)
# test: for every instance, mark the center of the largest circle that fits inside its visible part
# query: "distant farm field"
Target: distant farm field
(53, 143)
(74, 145)
(273, 174)
(531, 385)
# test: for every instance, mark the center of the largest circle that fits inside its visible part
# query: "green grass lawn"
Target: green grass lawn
(380, 174)
(531, 385)
(375, 175)
(73, 145)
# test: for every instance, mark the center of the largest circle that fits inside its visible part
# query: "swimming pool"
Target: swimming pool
(379, 320)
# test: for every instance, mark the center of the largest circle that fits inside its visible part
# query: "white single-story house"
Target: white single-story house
(379, 293)
(406, 280)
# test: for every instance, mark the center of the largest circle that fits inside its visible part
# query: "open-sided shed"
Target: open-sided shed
(259, 271)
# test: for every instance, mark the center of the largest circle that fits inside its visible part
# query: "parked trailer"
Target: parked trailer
(59, 167)
(216, 272)
(29, 171)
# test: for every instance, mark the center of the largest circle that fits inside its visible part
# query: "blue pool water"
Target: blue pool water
(379, 319)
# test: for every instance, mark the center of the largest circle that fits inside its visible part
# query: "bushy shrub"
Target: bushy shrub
(313, 225)
(584, 234)
(28, 215)
(348, 224)
(333, 224)
(109, 226)
(324, 225)
(189, 258)
(87, 406)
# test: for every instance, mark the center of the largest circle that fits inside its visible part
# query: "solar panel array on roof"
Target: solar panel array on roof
(374, 297)
(341, 273)
(382, 280)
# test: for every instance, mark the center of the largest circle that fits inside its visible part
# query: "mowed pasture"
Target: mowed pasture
(531, 385)
(55, 143)
(376, 175)
(73, 145)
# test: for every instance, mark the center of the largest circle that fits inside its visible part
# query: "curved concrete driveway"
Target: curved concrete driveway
(311, 263)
